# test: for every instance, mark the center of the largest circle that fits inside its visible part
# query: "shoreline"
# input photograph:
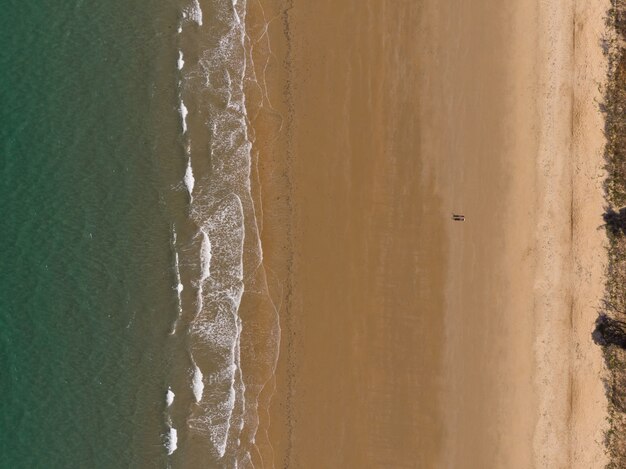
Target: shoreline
(269, 120)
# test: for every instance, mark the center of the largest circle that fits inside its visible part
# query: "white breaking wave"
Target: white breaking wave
(215, 422)
(189, 180)
(224, 232)
(183, 114)
(193, 12)
(179, 286)
(205, 256)
(197, 385)
(217, 325)
(171, 442)
(196, 12)
(169, 397)
(180, 62)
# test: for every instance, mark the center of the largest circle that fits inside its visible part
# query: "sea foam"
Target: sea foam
(193, 13)
(171, 442)
(217, 326)
(179, 285)
(222, 209)
(237, 18)
(169, 397)
(196, 12)
(180, 63)
(205, 256)
(189, 180)
(183, 114)
(197, 385)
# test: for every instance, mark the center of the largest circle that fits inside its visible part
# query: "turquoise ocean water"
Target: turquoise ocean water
(135, 325)
(87, 128)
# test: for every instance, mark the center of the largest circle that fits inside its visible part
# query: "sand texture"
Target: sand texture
(409, 340)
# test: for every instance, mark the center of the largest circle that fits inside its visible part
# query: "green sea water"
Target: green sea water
(88, 127)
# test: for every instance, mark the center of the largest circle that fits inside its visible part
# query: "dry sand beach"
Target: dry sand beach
(410, 340)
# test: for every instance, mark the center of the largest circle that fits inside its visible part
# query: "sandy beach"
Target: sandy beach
(410, 340)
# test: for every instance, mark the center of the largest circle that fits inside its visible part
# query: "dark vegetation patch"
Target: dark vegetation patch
(610, 327)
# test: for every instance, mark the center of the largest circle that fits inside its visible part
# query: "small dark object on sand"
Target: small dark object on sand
(456, 217)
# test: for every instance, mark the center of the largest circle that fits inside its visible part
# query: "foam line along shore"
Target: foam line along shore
(224, 290)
